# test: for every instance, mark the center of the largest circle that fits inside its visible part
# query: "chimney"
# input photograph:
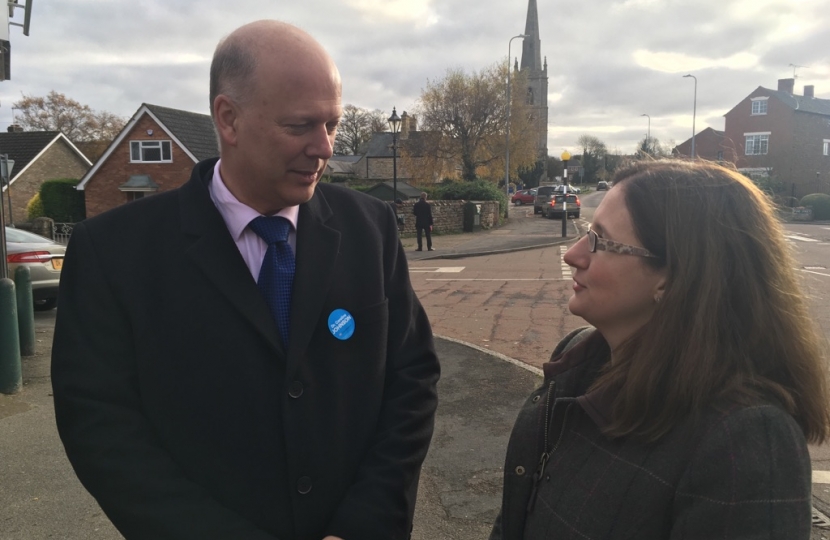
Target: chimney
(405, 123)
(413, 123)
(15, 128)
(786, 85)
(809, 90)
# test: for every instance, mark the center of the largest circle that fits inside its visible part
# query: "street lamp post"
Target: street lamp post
(507, 130)
(694, 114)
(565, 157)
(394, 126)
(648, 134)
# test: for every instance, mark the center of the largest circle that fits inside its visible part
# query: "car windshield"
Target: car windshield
(21, 237)
(571, 198)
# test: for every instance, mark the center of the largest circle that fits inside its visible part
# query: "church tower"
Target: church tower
(536, 75)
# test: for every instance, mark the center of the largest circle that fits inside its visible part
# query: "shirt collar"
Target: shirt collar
(593, 353)
(238, 215)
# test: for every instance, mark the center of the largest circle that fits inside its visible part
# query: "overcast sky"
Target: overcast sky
(608, 61)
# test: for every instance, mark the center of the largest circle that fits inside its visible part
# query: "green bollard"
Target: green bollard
(10, 373)
(25, 310)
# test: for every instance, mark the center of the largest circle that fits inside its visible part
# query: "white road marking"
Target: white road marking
(438, 269)
(800, 238)
(821, 477)
(566, 269)
(816, 273)
(499, 279)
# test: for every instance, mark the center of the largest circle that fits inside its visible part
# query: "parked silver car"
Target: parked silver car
(44, 258)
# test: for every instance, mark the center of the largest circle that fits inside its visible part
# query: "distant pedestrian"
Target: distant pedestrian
(685, 411)
(423, 221)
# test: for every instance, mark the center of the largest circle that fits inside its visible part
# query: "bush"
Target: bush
(34, 208)
(61, 201)
(820, 203)
(478, 190)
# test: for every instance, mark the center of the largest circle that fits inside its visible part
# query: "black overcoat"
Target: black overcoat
(183, 415)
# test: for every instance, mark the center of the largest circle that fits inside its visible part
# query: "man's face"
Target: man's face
(284, 134)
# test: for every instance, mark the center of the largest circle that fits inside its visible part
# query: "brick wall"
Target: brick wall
(448, 216)
(58, 161)
(101, 191)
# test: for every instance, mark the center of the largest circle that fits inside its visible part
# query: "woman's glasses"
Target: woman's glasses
(596, 242)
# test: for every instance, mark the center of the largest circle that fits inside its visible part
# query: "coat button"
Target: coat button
(535, 399)
(304, 485)
(296, 389)
(520, 470)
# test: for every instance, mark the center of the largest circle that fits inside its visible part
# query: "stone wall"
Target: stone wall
(448, 216)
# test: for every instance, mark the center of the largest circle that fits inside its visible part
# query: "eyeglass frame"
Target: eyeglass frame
(596, 242)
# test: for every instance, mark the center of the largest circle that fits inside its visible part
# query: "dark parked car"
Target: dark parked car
(543, 197)
(44, 259)
(525, 196)
(554, 208)
(602, 185)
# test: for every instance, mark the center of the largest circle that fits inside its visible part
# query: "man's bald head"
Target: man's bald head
(237, 57)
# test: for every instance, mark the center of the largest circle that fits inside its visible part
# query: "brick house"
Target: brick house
(710, 145)
(155, 152)
(38, 156)
(780, 134)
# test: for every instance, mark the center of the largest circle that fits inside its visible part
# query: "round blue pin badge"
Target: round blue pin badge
(341, 324)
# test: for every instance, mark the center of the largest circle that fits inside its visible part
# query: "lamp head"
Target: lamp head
(394, 121)
(565, 155)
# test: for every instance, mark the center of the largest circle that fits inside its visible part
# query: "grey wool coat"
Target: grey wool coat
(741, 473)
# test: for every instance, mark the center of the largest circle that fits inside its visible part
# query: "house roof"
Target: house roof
(800, 103)
(403, 188)
(192, 132)
(24, 147)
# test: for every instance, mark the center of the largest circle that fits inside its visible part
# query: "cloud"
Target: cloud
(609, 61)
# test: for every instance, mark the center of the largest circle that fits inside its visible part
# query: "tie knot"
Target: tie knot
(272, 229)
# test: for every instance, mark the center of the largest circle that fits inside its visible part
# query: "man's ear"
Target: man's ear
(225, 115)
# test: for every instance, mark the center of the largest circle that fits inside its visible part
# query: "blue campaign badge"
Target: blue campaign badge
(341, 324)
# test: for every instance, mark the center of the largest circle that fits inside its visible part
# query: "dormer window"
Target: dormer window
(151, 152)
(759, 105)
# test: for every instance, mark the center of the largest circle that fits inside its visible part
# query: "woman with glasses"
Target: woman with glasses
(683, 412)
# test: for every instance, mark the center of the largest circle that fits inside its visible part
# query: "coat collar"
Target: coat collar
(584, 362)
(215, 253)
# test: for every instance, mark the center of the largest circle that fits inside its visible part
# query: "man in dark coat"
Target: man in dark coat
(423, 221)
(182, 408)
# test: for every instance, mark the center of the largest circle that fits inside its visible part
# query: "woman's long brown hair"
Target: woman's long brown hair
(733, 325)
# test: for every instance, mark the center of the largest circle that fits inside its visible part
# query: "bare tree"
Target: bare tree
(356, 128)
(469, 112)
(56, 112)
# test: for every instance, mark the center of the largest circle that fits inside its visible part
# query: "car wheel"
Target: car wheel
(46, 304)
(519, 202)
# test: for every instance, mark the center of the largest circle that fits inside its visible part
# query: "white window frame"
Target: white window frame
(758, 104)
(763, 143)
(826, 147)
(139, 149)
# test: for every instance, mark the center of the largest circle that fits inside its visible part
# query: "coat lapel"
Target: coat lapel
(214, 252)
(318, 246)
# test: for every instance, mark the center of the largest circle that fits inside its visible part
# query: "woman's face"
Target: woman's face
(613, 292)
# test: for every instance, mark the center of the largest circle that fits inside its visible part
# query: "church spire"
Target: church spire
(532, 45)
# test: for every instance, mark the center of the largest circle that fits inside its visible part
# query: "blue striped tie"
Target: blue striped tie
(277, 272)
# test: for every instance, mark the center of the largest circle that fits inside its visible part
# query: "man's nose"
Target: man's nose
(321, 145)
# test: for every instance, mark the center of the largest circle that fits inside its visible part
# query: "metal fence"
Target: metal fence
(61, 232)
